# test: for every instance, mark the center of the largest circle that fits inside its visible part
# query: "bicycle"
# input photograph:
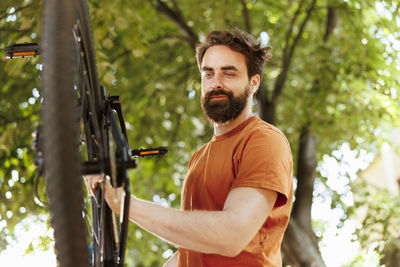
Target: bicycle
(83, 132)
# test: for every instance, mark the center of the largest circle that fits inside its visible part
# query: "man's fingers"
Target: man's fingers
(108, 183)
(92, 181)
(114, 196)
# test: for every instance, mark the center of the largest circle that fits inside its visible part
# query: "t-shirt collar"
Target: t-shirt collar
(234, 130)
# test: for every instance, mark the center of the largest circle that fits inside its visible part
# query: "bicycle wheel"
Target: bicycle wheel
(71, 113)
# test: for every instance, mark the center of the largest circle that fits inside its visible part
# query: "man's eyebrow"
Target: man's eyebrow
(205, 68)
(228, 67)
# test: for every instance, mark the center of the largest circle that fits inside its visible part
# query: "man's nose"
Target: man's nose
(217, 82)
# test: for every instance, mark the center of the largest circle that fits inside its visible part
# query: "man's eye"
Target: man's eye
(207, 74)
(229, 74)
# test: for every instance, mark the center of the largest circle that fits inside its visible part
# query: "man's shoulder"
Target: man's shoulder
(260, 129)
(200, 150)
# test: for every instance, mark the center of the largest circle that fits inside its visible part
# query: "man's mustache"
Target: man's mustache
(218, 92)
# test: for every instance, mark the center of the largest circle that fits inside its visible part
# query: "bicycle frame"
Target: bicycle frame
(119, 177)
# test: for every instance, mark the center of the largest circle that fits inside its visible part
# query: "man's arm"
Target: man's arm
(225, 232)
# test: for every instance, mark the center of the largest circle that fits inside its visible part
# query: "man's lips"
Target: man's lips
(219, 97)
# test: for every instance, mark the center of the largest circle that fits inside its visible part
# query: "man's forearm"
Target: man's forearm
(225, 232)
(202, 231)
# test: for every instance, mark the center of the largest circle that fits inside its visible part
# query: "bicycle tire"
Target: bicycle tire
(61, 125)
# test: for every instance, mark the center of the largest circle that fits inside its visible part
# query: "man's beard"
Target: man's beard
(225, 110)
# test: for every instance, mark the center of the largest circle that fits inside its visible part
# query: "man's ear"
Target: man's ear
(254, 83)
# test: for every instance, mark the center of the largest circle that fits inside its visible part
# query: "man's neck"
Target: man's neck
(222, 128)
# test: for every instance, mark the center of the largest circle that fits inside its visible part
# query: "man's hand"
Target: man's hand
(92, 181)
(114, 196)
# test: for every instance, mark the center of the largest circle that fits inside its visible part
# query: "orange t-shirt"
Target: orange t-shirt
(254, 154)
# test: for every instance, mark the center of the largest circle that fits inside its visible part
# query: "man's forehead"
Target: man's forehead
(223, 57)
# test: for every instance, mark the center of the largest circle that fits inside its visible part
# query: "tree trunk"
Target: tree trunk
(391, 254)
(265, 107)
(300, 245)
(306, 164)
(299, 249)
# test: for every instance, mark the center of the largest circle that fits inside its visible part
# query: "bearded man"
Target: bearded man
(237, 195)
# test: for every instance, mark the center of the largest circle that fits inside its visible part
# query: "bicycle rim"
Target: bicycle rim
(68, 59)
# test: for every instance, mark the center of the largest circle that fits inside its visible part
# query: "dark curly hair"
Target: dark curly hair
(238, 41)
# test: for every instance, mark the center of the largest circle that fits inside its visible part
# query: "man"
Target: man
(237, 195)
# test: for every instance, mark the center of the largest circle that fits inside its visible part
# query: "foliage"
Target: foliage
(380, 215)
(19, 108)
(341, 87)
(369, 259)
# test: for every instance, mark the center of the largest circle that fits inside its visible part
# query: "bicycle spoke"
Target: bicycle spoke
(90, 225)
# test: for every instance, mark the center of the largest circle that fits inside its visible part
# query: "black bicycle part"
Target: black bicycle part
(22, 50)
(69, 72)
(61, 134)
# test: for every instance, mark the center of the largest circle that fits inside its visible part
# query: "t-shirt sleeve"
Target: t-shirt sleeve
(265, 162)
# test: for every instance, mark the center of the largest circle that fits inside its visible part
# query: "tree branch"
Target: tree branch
(298, 36)
(5, 14)
(332, 21)
(246, 16)
(175, 5)
(5, 120)
(176, 16)
(291, 26)
(116, 57)
(6, 29)
(281, 79)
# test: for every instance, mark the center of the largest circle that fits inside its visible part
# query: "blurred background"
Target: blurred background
(332, 86)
